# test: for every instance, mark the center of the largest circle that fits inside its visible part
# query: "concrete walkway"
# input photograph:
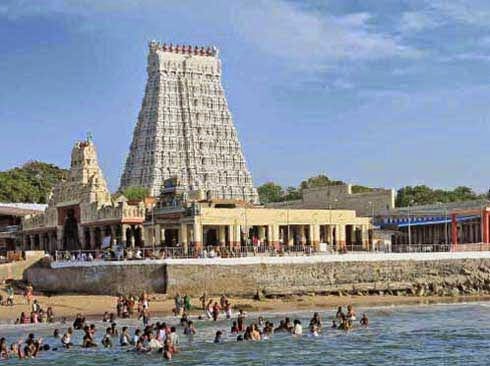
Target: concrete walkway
(350, 257)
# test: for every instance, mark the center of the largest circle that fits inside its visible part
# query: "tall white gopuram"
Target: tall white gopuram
(185, 128)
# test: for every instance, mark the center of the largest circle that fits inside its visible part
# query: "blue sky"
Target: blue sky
(381, 93)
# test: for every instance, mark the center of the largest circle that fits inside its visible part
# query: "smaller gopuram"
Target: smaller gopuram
(81, 212)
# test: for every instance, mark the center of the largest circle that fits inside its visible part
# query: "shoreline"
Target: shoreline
(94, 306)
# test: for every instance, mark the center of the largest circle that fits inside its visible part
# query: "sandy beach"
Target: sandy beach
(94, 306)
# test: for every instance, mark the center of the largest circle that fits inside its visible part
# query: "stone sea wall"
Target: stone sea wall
(422, 276)
(98, 280)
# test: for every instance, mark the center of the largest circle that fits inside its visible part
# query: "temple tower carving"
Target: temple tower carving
(185, 128)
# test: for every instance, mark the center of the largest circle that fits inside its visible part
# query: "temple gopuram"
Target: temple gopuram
(81, 212)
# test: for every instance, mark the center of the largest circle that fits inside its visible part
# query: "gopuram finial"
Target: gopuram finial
(90, 137)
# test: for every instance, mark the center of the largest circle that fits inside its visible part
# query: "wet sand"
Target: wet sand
(93, 306)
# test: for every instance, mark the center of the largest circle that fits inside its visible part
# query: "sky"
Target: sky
(382, 93)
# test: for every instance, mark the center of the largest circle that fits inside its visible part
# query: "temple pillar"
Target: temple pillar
(124, 234)
(157, 234)
(340, 236)
(25, 242)
(365, 237)
(485, 227)
(476, 229)
(222, 235)
(230, 236)
(329, 234)
(454, 230)
(270, 234)
(236, 237)
(113, 232)
(261, 233)
(132, 237)
(315, 236)
(91, 231)
(59, 236)
(290, 236)
(146, 233)
(183, 237)
(197, 229)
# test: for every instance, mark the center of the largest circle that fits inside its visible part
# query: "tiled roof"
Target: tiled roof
(20, 209)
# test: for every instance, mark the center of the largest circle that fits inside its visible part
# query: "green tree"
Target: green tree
(292, 193)
(320, 180)
(31, 182)
(424, 195)
(360, 189)
(270, 192)
(135, 193)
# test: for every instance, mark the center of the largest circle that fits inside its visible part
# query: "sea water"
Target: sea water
(454, 334)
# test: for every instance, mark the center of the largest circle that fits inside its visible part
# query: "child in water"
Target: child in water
(364, 320)
(106, 340)
(219, 337)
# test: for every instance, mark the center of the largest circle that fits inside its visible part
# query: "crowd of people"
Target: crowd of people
(161, 337)
(37, 313)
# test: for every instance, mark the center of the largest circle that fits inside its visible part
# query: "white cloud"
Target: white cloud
(417, 21)
(15, 9)
(465, 56)
(472, 56)
(476, 12)
(313, 39)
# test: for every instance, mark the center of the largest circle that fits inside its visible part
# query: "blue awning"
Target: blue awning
(424, 221)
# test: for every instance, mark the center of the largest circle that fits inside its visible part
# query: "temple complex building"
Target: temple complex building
(369, 202)
(185, 151)
(11, 215)
(185, 128)
(181, 220)
(451, 226)
(81, 212)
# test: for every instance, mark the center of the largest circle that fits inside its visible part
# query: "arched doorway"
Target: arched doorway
(70, 231)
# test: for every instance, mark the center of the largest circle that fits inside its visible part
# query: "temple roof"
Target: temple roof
(20, 209)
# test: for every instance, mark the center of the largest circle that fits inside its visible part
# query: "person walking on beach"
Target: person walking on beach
(28, 294)
(10, 296)
(216, 310)
(203, 299)
(178, 305)
(187, 303)
(240, 318)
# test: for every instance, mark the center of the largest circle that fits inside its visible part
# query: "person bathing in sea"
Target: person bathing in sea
(297, 328)
(190, 330)
(234, 328)
(209, 309)
(66, 339)
(314, 331)
(168, 350)
(340, 313)
(219, 337)
(254, 333)
(240, 318)
(351, 314)
(216, 310)
(106, 340)
(124, 340)
(364, 320)
(79, 322)
(316, 320)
